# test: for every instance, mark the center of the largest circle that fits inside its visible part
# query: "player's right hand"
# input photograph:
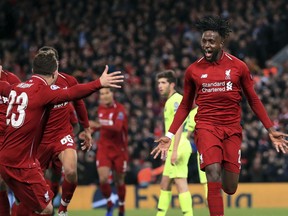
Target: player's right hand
(162, 148)
(111, 79)
(1, 70)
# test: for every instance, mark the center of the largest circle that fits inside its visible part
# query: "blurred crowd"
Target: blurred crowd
(142, 38)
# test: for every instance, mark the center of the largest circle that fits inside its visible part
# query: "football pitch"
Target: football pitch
(197, 212)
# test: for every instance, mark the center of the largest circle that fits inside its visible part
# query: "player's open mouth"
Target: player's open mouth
(208, 53)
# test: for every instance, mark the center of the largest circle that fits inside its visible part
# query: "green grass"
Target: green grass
(197, 212)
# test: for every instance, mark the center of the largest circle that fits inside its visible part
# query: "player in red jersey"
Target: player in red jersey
(112, 153)
(11, 79)
(58, 138)
(216, 81)
(27, 114)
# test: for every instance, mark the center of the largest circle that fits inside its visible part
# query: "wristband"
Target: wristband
(169, 135)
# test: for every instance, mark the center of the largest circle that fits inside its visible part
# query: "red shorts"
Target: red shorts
(115, 160)
(219, 144)
(28, 185)
(48, 152)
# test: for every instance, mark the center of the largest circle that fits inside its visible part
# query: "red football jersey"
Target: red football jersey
(217, 87)
(59, 117)
(27, 115)
(114, 128)
(11, 79)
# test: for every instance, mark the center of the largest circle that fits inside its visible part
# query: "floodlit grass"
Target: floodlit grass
(197, 212)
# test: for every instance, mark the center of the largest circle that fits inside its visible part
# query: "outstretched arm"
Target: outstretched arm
(83, 90)
(179, 117)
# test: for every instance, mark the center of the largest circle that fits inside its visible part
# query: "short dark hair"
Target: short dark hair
(45, 63)
(169, 75)
(47, 48)
(214, 23)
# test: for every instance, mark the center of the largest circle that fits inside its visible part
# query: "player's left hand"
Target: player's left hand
(1, 70)
(162, 148)
(279, 140)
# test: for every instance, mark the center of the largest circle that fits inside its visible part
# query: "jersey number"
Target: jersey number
(16, 119)
(67, 139)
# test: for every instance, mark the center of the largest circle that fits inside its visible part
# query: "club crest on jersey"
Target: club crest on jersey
(227, 74)
(54, 87)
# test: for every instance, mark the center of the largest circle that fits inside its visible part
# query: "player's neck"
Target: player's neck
(109, 104)
(49, 79)
(171, 93)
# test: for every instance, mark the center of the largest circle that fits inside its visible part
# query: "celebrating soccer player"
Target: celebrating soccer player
(11, 79)
(216, 81)
(27, 115)
(176, 163)
(58, 140)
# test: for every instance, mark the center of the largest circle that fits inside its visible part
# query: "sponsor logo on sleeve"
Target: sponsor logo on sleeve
(46, 196)
(54, 87)
(201, 159)
(120, 116)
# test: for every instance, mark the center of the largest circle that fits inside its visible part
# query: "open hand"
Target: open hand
(279, 140)
(87, 139)
(162, 147)
(111, 79)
